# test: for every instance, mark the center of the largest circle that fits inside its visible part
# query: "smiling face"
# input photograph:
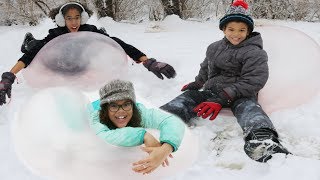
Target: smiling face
(73, 19)
(236, 32)
(120, 112)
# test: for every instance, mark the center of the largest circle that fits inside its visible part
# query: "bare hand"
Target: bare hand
(157, 156)
(150, 140)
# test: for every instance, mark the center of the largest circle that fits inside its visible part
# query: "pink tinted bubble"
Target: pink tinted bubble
(53, 139)
(294, 61)
(84, 60)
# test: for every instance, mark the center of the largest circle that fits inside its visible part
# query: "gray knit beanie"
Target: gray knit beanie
(117, 90)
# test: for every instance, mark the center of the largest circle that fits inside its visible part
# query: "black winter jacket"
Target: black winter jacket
(131, 51)
(240, 71)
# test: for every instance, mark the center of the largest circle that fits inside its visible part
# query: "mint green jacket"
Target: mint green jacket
(171, 128)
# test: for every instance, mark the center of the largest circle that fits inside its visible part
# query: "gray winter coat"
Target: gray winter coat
(239, 70)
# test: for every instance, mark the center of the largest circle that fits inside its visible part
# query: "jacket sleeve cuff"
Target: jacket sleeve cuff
(230, 92)
(174, 147)
(137, 57)
(142, 137)
(26, 60)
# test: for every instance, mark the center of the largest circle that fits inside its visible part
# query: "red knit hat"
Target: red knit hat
(238, 11)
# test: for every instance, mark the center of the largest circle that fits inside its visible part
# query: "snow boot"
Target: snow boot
(26, 45)
(261, 144)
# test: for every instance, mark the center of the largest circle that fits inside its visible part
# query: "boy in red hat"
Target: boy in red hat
(234, 71)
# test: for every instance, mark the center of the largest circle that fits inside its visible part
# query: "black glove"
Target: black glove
(6, 82)
(192, 86)
(27, 43)
(159, 68)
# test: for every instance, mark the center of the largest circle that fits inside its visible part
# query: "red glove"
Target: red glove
(204, 109)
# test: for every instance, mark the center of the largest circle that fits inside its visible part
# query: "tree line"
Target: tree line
(32, 11)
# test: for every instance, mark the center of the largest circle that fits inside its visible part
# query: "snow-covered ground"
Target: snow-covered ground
(183, 44)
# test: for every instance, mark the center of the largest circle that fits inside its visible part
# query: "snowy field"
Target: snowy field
(183, 44)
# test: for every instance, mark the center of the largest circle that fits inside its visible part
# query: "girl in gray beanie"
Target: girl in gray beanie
(234, 71)
(119, 120)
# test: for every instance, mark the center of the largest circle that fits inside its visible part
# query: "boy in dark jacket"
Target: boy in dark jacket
(231, 75)
(72, 17)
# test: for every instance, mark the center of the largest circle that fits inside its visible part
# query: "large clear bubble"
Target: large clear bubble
(52, 136)
(294, 61)
(85, 60)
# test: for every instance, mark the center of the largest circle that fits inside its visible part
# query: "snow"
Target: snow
(183, 44)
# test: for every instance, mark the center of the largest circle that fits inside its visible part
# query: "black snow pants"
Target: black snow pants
(249, 114)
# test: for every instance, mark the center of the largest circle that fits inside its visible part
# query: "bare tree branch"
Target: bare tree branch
(40, 4)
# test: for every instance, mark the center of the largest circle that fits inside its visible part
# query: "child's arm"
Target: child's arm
(203, 72)
(171, 127)
(127, 136)
(204, 66)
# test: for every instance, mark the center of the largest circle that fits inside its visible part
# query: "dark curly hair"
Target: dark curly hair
(134, 122)
(53, 12)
